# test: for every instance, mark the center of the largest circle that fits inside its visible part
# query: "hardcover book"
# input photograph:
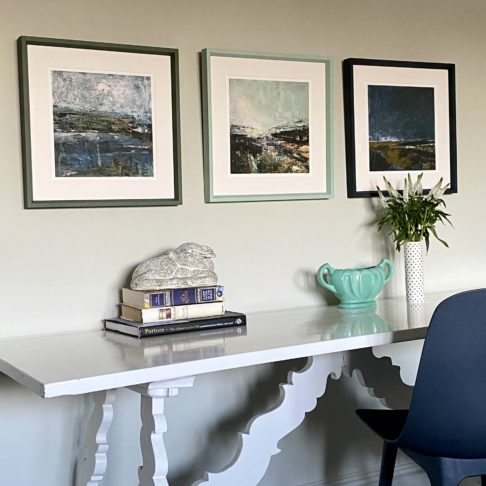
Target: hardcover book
(171, 313)
(145, 299)
(124, 326)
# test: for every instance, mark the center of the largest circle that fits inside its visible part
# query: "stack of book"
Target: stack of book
(167, 311)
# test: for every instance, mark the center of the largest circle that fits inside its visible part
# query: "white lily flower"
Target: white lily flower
(435, 190)
(382, 197)
(418, 188)
(411, 185)
(405, 190)
(441, 190)
(391, 190)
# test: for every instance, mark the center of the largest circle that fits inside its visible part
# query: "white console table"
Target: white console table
(96, 361)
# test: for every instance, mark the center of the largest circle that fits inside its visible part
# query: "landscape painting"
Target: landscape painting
(401, 128)
(102, 124)
(269, 126)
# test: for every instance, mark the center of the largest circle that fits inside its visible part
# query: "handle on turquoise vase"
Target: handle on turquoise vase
(321, 279)
(391, 268)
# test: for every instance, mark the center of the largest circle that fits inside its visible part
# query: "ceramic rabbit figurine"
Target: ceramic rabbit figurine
(189, 265)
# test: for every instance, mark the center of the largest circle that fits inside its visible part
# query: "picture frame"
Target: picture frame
(99, 123)
(400, 118)
(267, 126)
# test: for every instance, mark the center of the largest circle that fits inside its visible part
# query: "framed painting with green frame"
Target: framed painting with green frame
(100, 124)
(400, 118)
(267, 126)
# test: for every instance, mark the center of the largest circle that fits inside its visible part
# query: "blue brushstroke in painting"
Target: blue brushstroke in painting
(401, 122)
(102, 124)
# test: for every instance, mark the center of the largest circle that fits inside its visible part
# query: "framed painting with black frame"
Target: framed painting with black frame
(399, 119)
(267, 126)
(100, 124)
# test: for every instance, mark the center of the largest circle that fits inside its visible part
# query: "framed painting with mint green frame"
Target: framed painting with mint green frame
(267, 126)
(100, 124)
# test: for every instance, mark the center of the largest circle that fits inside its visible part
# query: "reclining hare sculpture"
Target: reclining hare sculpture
(189, 265)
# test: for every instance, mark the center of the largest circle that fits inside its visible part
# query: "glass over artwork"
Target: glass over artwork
(269, 126)
(102, 124)
(400, 117)
(401, 128)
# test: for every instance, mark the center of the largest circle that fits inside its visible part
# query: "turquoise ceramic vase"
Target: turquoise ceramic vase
(355, 287)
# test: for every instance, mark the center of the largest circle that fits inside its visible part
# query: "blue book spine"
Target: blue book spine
(160, 300)
(193, 295)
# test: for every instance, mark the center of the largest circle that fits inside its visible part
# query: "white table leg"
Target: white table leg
(380, 376)
(100, 421)
(297, 397)
(406, 355)
(154, 470)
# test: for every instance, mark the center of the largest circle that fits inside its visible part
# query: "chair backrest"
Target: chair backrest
(447, 414)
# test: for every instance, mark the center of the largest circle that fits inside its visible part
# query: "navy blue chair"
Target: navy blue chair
(444, 430)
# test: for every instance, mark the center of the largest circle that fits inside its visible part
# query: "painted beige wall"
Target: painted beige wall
(62, 269)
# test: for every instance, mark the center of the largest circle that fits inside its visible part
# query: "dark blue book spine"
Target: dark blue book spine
(194, 295)
(160, 300)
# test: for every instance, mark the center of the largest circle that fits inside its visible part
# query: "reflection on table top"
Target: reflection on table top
(81, 362)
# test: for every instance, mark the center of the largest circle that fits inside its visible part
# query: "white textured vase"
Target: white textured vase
(414, 271)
